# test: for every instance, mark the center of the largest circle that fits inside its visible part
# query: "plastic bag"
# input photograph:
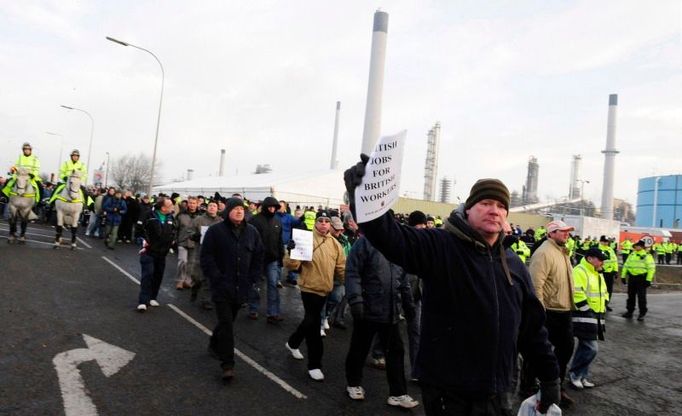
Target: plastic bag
(529, 407)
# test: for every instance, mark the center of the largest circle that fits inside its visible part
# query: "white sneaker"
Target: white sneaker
(587, 384)
(322, 333)
(575, 381)
(325, 323)
(295, 352)
(356, 393)
(316, 374)
(404, 401)
(141, 307)
(153, 302)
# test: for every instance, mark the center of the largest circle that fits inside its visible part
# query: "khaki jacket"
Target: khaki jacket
(551, 271)
(329, 261)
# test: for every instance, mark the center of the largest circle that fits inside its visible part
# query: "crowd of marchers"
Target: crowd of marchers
(489, 310)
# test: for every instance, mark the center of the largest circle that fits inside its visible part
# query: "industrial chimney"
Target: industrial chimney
(335, 143)
(221, 168)
(609, 160)
(574, 187)
(372, 129)
(445, 189)
(530, 190)
(431, 168)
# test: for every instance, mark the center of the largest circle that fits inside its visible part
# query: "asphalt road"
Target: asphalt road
(54, 300)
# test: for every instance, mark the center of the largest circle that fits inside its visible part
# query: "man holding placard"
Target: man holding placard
(479, 305)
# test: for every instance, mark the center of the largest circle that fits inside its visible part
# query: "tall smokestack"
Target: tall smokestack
(530, 190)
(190, 174)
(335, 143)
(574, 187)
(431, 166)
(221, 168)
(372, 129)
(609, 160)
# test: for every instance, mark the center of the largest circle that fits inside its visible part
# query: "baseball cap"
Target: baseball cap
(337, 224)
(558, 226)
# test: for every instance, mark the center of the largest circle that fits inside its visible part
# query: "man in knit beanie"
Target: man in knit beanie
(477, 294)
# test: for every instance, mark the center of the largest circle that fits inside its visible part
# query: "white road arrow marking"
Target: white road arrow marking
(110, 359)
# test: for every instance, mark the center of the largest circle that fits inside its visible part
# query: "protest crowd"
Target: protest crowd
(481, 309)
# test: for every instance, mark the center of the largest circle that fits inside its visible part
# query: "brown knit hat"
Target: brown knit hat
(488, 189)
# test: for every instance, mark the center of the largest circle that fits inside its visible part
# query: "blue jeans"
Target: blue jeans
(583, 357)
(272, 273)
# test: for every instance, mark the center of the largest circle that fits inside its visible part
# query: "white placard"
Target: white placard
(380, 186)
(203, 233)
(304, 245)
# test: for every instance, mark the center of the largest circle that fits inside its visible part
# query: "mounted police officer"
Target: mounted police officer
(66, 169)
(30, 162)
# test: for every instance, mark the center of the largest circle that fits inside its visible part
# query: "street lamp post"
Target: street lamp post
(92, 131)
(158, 118)
(61, 148)
(106, 174)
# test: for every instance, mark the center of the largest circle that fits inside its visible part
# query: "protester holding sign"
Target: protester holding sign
(478, 305)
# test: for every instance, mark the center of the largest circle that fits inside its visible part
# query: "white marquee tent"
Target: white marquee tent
(321, 187)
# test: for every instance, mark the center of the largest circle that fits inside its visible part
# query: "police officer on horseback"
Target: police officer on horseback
(30, 162)
(66, 169)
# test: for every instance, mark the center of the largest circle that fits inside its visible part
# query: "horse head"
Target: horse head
(22, 185)
(73, 185)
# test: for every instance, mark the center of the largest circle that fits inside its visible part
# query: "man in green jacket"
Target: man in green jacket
(638, 272)
(590, 297)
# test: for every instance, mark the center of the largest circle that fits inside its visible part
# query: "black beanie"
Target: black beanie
(232, 203)
(488, 189)
(416, 218)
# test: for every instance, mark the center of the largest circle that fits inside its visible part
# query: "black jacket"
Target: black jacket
(232, 259)
(380, 285)
(270, 230)
(474, 313)
(159, 235)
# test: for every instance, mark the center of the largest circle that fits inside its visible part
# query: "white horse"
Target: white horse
(21, 202)
(69, 205)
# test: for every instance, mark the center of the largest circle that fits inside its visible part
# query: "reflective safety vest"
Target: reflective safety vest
(610, 264)
(590, 296)
(586, 245)
(309, 219)
(626, 247)
(570, 246)
(438, 222)
(68, 167)
(29, 162)
(589, 288)
(679, 248)
(539, 233)
(521, 249)
(659, 248)
(669, 248)
(639, 263)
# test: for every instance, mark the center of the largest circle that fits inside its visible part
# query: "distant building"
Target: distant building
(530, 189)
(659, 201)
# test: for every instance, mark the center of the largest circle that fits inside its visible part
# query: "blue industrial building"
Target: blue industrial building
(662, 196)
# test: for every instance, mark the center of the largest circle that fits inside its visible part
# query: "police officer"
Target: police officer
(65, 170)
(29, 161)
(638, 272)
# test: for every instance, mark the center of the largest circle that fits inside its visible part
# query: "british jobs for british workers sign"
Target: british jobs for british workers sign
(380, 186)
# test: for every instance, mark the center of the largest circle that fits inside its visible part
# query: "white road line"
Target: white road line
(244, 357)
(125, 273)
(42, 242)
(83, 242)
(267, 373)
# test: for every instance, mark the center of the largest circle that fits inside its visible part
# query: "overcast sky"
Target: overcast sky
(506, 79)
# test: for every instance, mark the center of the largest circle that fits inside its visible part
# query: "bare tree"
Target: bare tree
(132, 172)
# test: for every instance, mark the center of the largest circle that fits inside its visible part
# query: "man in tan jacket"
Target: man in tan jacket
(316, 281)
(551, 270)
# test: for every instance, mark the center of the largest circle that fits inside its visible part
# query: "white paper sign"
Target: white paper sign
(304, 245)
(203, 233)
(380, 186)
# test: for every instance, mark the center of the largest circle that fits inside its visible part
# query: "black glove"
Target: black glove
(519, 252)
(353, 177)
(30, 175)
(357, 310)
(622, 279)
(196, 237)
(291, 245)
(550, 393)
(647, 283)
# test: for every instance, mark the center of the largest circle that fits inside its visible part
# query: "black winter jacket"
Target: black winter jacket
(380, 285)
(270, 229)
(232, 260)
(474, 314)
(159, 235)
